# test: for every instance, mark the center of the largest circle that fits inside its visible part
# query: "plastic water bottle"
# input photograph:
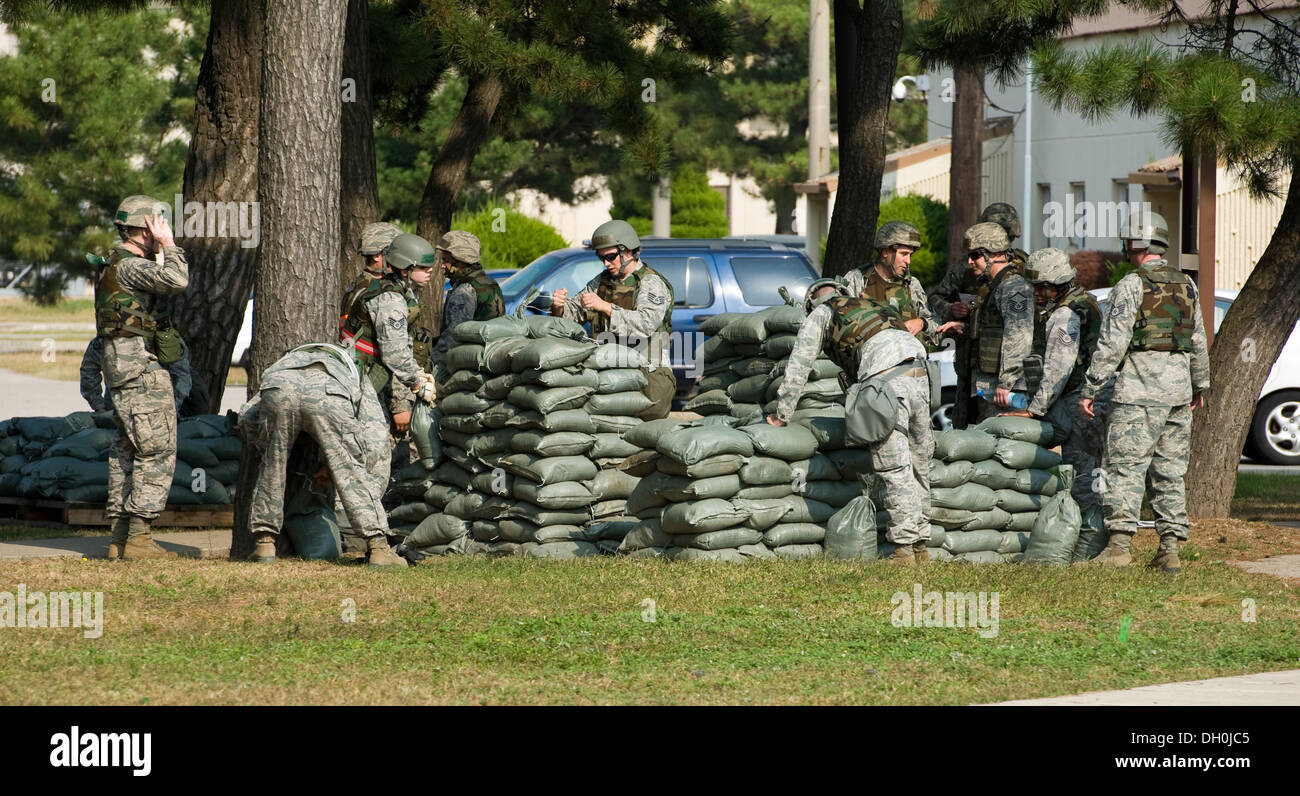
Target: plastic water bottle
(1018, 400)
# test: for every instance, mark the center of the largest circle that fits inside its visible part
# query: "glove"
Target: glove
(425, 389)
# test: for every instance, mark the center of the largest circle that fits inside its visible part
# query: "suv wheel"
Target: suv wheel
(941, 418)
(1275, 430)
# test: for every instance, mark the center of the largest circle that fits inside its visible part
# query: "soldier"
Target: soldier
(1154, 337)
(890, 282)
(474, 296)
(945, 297)
(143, 456)
(1065, 335)
(96, 395)
(868, 339)
(631, 300)
(317, 390)
(375, 237)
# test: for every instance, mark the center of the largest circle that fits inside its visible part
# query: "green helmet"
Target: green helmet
(615, 233)
(132, 211)
(376, 237)
(1005, 216)
(1150, 228)
(1050, 266)
(897, 233)
(986, 235)
(408, 250)
(810, 299)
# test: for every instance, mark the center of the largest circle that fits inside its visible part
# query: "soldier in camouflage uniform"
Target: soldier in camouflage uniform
(375, 237)
(890, 281)
(143, 455)
(92, 369)
(632, 301)
(316, 389)
(1065, 335)
(1154, 337)
(474, 296)
(869, 339)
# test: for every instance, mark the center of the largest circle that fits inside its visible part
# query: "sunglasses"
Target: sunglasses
(611, 257)
(974, 255)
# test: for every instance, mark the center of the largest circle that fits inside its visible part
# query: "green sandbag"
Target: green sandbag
(559, 443)
(815, 394)
(539, 326)
(853, 463)
(719, 540)
(620, 380)
(468, 463)
(804, 509)
(498, 387)
(481, 531)
(744, 368)
(614, 424)
(710, 402)
(648, 493)
(608, 508)
(559, 496)
(835, 494)
(779, 346)
(792, 443)
(550, 469)
(801, 533)
(519, 531)
(993, 474)
(497, 356)
(1039, 482)
(494, 508)
(993, 519)
(315, 533)
(34, 450)
(552, 399)
(641, 464)
(1024, 455)
(951, 474)
(550, 352)
(937, 536)
(765, 492)
(53, 476)
(756, 552)
(717, 323)
(964, 444)
(799, 551)
(12, 446)
(451, 473)
(439, 495)
(1092, 535)
(851, 531)
(829, 431)
(785, 319)
(971, 497)
(701, 516)
(91, 493)
(410, 490)
(609, 356)
(1025, 429)
(1015, 502)
(748, 328)
(689, 446)
(724, 464)
(763, 514)
(1022, 521)
(1013, 542)
(464, 403)
(465, 424)
(950, 519)
(52, 429)
(425, 441)
(226, 448)
(566, 420)
(464, 505)
(12, 464)
(410, 512)
(749, 390)
(717, 420)
(763, 470)
(576, 376)
(463, 381)
(1056, 531)
(689, 554)
(437, 529)
(619, 403)
(611, 485)
(718, 381)
(613, 528)
(560, 533)
(611, 446)
(678, 488)
(456, 438)
(647, 534)
(181, 496)
(821, 369)
(91, 445)
(487, 331)
(563, 551)
(957, 542)
(465, 357)
(226, 471)
(488, 442)
(817, 467)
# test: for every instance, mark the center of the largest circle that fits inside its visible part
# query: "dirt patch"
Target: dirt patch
(1231, 539)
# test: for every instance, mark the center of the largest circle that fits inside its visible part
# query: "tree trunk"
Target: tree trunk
(783, 201)
(964, 185)
(878, 33)
(468, 133)
(221, 167)
(359, 195)
(298, 160)
(1253, 334)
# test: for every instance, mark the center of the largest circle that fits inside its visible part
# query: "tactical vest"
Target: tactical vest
(358, 330)
(895, 294)
(987, 323)
(117, 312)
(854, 321)
(1085, 308)
(488, 301)
(352, 292)
(1165, 321)
(623, 294)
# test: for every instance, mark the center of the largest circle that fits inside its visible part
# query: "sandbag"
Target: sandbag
(314, 533)
(779, 346)
(558, 443)
(424, 434)
(1015, 502)
(992, 474)
(619, 403)
(710, 402)
(851, 531)
(763, 514)
(617, 380)
(465, 424)
(90, 493)
(410, 512)
(576, 376)
(852, 463)
(226, 448)
(648, 493)
(494, 508)
(835, 494)
(937, 536)
(727, 555)
(749, 328)
(1040, 482)
(92, 444)
(518, 530)
(485, 443)
(550, 469)
(437, 529)
(463, 381)
(649, 533)
(614, 424)
(972, 541)
(560, 533)
(964, 444)
(718, 381)
(765, 492)
(951, 474)
(791, 443)
(452, 473)
(180, 496)
(719, 540)
(1013, 542)
(608, 356)
(799, 551)
(464, 403)
(565, 420)
(465, 357)
(539, 326)
(1056, 531)
(14, 463)
(785, 533)
(1092, 535)
(498, 355)
(821, 369)
(465, 505)
(550, 352)
(201, 426)
(489, 330)
(52, 476)
(439, 495)
(611, 446)
(756, 552)
(689, 446)
(613, 528)
(1022, 521)
(950, 519)
(724, 464)
(641, 464)
(559, 496)
(717, 323)
(678, 488)
(611, 485)
(763, 470)
(700, 516)
(760, 366)
(552, 399)
(226, 471)
(563, 550)
(1024, 455)
(829, 431)
(11, 446)
(498, 388)
(992, 519)
(749, 390)
(971, 497)
(817, 467)
(1024, 429)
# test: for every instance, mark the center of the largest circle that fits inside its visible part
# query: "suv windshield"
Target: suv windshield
(522, 279)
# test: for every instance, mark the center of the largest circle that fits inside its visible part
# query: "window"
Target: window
(1038, 237)
(689, 277)
(1077, 232)
(761, 279)
(1115, 220)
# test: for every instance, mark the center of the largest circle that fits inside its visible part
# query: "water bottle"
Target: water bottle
(1018, 400)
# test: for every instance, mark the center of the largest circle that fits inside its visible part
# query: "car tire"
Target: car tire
(941, 418)
(1275, 430)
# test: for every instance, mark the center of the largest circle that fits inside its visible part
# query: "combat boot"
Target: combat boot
(902, 556)
(1167, 559)
(920, 553)
(140, 543)
(1116, 553)
(118, 542)
(263, 548)
(381, 555)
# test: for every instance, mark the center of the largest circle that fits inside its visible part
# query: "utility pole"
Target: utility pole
(819, 123)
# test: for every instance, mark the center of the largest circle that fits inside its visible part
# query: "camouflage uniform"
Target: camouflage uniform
(474, 296)
(316, 391)
(905, 295)
(643, 311)
(92, 369)
(1002, 337)
(1149, 431)
(902, 460)
(143, 455)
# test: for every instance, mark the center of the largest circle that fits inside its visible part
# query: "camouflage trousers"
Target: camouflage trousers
(143, 456)
(902, 463)
(307, 402)
(1146, 445)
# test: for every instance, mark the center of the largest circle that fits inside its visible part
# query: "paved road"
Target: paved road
(1270, 688)
(29, 396)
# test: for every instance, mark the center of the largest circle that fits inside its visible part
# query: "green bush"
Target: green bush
(698, 210)
(1118, 271)
(45, 286)
(931, 218)
(509, 239)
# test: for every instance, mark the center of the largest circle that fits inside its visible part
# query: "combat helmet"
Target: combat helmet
(615, 233)
(1005, 216)
(810, 301)
(133, 210)
(897, 233)
(409, 250)
(375, 237)
(1150, 228)
(986, 235)
(1050, 266)
(464, 247)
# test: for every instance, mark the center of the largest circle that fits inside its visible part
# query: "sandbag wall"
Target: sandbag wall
(66, 458)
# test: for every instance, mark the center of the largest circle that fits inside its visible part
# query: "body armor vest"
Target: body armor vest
(854, 321)
(358, 330)
(987, 323)
(623, 294)
(488, 300)
(117, 312)
(1085, 308)
(895, 294)
(1165, 321)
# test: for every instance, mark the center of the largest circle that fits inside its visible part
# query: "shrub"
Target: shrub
(509, 239)
(931, 218)
(698, 210)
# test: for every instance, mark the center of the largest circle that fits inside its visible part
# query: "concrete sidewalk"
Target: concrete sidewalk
(193, 544)
(29, 396)
(1270, 688)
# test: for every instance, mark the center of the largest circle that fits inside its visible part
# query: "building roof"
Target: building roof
(1166, 172)
(1125, 19)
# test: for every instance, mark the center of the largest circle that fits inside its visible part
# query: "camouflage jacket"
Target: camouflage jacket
(913, 303)
(648, 319)
(1012, 299)
(125, 358)
(469, 299)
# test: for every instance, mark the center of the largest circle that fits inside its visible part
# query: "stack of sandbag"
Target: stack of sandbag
(66, 458)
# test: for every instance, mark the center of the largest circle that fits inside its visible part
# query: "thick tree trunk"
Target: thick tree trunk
(298, 160)
(964, 185)
(1253, 334)
(221, 167)
(784, 203)
(468, 133)
(878, 32)
(359, 196)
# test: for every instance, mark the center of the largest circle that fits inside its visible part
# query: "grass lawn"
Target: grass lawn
(1267, 496)
(20, 310)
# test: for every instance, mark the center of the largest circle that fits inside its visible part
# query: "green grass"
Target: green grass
(512, 631)
(1267, 496)
(66, 311)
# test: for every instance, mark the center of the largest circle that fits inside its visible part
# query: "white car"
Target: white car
(244, 341)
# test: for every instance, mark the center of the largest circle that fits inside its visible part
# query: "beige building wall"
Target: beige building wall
(1243, 228)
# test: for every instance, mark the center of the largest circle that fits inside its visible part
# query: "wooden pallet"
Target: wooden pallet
(59, 512)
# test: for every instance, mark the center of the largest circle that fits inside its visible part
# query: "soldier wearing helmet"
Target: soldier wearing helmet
(890, 281)
(869, 340)
(474, 296)
(631, 302)
(375, 237)
(945, 297)
(143, 455)
(1153, 335)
